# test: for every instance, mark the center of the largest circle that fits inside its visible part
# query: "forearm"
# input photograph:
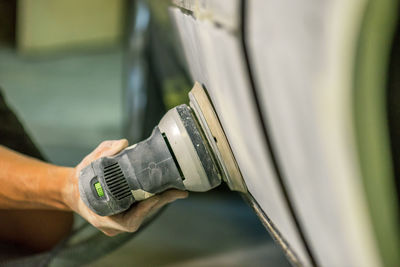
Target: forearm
(27, 183)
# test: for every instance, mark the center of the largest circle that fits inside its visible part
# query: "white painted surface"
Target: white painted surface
(302, 53)
(215, 59)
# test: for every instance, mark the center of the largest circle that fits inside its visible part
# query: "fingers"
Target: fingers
(110, 231)
(110, 148)
(174, 194)
(131, 220)
(165, 198)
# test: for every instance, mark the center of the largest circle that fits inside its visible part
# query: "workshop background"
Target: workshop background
(80, 72)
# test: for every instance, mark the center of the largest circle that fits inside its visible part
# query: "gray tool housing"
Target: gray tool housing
(176, 155)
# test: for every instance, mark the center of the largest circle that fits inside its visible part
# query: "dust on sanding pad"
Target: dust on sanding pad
(209, 121)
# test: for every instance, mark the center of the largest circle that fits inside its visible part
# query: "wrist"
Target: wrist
(68, 187)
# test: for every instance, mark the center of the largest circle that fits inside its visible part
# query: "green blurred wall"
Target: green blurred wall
(44, 25)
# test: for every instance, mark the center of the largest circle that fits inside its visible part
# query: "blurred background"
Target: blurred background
(80, 72)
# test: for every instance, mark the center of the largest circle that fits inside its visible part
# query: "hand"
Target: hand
(128, 221)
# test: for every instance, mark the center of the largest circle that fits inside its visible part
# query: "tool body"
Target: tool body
(183, 152)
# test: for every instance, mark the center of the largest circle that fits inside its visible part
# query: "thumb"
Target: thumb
(110, 148)
(105, 149)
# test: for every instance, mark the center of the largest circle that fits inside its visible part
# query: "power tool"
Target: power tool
(187, 150)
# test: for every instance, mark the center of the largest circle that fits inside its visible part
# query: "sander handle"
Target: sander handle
(110, 185)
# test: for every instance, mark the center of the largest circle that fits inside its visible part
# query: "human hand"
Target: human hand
(128, 221)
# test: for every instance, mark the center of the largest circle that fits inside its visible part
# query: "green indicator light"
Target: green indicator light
(99, 189)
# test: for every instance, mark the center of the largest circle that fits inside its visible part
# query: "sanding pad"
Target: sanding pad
(205, 113)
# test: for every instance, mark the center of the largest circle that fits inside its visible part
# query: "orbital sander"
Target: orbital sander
(187, 150)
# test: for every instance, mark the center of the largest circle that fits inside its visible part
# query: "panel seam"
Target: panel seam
(266, 134)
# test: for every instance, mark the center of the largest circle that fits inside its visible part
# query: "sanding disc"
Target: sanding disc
(205, 113)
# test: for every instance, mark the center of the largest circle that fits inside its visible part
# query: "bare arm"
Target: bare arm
(27, 183)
